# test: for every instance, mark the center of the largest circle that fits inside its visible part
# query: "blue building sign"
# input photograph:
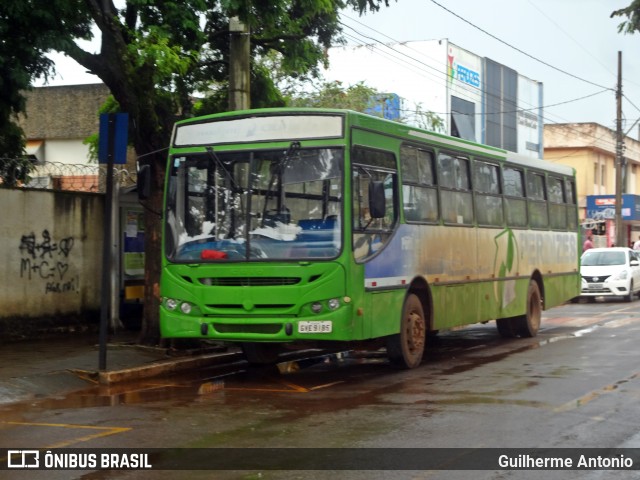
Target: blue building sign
(385, 105)
(603, 207)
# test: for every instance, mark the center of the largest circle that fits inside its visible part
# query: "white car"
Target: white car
(610, 272)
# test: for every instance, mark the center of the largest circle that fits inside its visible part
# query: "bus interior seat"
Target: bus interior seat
(317, 229)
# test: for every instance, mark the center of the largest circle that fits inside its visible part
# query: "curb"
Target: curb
(176, 365)
(164, 367)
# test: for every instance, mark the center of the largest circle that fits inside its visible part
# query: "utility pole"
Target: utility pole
(621, 239)
(239, 55)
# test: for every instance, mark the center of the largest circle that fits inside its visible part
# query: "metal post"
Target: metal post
(620, 234)
(105, 299)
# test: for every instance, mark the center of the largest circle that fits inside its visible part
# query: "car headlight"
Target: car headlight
(622, 275)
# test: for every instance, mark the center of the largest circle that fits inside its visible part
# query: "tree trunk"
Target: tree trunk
(150, 329)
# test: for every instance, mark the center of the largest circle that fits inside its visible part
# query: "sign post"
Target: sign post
(112, 148)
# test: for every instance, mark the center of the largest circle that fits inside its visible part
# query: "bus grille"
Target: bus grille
(249, 281)
(267, 329)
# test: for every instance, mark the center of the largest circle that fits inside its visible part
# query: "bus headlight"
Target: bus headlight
(316, 307)
(185, 307)
(171, 303)
(333, 304)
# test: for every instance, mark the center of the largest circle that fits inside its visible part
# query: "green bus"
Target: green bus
(320, 228)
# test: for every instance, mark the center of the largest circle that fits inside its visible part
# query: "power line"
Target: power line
(571, 38)
(629, 100)
(518, 49)
(442, 73)
(545, 63)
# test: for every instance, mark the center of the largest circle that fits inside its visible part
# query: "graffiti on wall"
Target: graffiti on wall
(43, 259)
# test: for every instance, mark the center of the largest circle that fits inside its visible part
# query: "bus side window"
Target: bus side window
(455, 189)
(557, 207)
(537, 200)
(489, 209)
(371, 234)
(515, 203)
(420, 197)
(572, 208)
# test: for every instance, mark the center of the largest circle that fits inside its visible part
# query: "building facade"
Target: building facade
(57, 122)
(477, 98)
(590, 148)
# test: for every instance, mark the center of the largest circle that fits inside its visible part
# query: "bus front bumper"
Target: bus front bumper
(333, 326)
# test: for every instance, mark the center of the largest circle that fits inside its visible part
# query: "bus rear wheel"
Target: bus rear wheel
(405, 349)
(527, 325)
(261, 353)
(506, 327)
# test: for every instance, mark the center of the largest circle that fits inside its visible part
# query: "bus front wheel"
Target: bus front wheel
(405, 349)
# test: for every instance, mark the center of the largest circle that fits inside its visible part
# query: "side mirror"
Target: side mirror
(377, 200)
(634, 263)
(144, 182)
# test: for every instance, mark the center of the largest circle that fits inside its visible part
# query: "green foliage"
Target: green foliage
(155, 56)
(28, 30)
(14, 171)
(427, 119)
(109, 106)
(632, 12)
(358, 97)
(264, 93)
(14, 164)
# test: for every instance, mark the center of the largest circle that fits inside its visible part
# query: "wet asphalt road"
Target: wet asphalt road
(576, 385)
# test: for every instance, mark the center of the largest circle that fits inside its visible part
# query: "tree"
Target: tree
(358, 97)
(22, 58)
(155, 54)
(632, 12)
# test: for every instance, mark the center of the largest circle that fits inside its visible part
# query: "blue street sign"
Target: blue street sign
(112, 141)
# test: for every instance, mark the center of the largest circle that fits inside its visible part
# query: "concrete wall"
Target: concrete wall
(51, 258)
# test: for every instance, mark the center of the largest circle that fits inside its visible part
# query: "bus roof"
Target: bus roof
(395, 128)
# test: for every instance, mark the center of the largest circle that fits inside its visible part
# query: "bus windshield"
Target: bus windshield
(255, 205)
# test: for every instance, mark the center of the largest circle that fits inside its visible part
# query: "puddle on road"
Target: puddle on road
(449, 353)
(296, 376)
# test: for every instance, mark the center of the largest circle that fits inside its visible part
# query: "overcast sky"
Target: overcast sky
(574, 36)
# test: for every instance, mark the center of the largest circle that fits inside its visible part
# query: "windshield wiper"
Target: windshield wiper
(277, 171)
(222, 168)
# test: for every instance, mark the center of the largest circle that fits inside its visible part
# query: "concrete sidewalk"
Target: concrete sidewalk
(58, 364)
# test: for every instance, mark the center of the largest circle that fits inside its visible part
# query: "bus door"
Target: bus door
(374, 169)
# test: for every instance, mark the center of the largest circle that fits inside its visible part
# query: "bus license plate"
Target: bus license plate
(314, 327)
